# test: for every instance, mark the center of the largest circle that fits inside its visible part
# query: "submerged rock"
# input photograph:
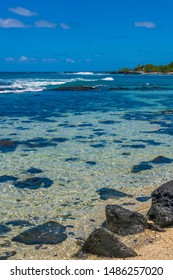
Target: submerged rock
(161, 211)
(47, 233)
(6, 255)
(34, 170)
(106, 193)
(34, 183)
(4, 229)
(7, 145)
(123, 221)
(103, 243)
(7, 178)
(143, 198)
(161, 160)
(19, 223)
(141, 167)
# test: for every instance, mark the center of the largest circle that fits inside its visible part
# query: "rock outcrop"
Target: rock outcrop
(103, 243)
(161, 211)
(124, 222)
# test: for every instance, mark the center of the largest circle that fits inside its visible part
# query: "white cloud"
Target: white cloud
(49, 60)
(10, 59)
(146, 24)
(12, 23)
(22, 12)
(70, 60)
(45, 23)
(23, 58)
(64, 25)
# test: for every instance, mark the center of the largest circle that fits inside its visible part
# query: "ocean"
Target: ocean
(84, 149)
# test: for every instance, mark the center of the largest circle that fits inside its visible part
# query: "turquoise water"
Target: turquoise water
(81, 140)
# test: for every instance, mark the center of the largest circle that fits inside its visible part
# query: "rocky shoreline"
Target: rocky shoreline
(112, 239)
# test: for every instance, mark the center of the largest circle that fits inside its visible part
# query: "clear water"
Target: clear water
(83, 141)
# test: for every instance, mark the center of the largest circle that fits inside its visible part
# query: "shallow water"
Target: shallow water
(83, 141)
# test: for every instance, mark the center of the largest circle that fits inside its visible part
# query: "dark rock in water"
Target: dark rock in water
(143, 198)
(6, 255)
(5, 244)
(4, 229)
(123, 221)
(7, 145)
(73, 88)
(106, 193)
(59, 139)
(103, 243)
(33, 170)
(168, 112)
(161, 211)
(47, 233)
(126, 154)
(108, 122)
(34, 183)
(137, 146)
(97, 145)
(91, 162)
(141, 167)
(7, 178)
(19, 223)
(85, 124)
(71, 159)
(161, 160)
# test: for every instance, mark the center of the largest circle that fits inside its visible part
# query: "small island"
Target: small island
(146, 69)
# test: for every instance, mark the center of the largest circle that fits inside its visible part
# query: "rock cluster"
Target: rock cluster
(106, 241)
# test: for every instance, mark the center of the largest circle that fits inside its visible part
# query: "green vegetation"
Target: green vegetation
(148, 68)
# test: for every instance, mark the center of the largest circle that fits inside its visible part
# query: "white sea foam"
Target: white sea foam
(22, 85)
(108, 79)
(83, 73)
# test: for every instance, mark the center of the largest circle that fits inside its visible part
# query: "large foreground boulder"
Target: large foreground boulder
(103, 243)
(161, 211)
(47, 233)
(123, 221)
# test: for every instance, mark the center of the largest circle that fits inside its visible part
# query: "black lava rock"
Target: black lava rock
(123, 221)
(33, 170)
(47, 233)
(143, 198)
(4, 229)
(161, 160)
(19, 223)
(161, 211)
(6, 255)
(34, 183)
(103, 243)
(141, 167)
(7, 178)
(106, 193)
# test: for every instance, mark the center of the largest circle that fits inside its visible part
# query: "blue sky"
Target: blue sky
(67, 35)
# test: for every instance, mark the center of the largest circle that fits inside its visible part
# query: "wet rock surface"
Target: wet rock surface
(124, 222)
(103, 243)
(47, 233)
(161, 211)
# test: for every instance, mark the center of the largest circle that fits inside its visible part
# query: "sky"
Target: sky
(84, 35)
